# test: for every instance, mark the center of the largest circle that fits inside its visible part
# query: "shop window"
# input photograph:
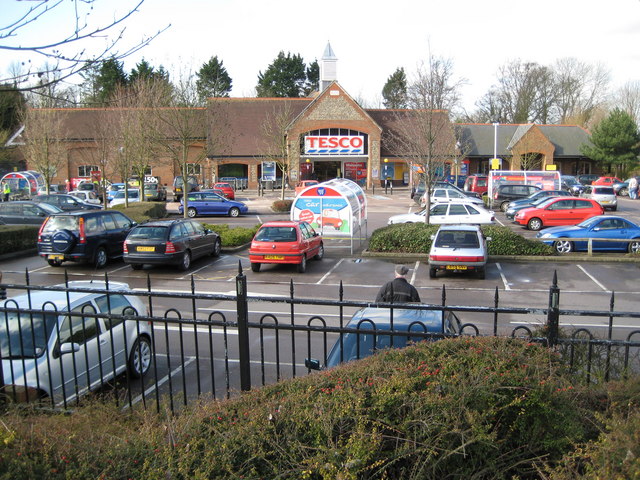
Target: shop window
(194, 169)
(85, 170)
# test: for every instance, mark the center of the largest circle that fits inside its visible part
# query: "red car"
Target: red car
(226, 189)
(558, 211)
(608, 181)
(288, 242)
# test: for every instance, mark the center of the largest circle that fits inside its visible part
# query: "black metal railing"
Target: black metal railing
(218, 345)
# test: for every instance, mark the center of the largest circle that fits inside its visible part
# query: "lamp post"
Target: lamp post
(386, 175)
(495, 139)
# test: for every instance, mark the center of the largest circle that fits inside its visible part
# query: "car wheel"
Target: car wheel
(234, 212)
(192, 212)
(534, 224)
(136, 266)
(63, 241)
(480, 273)
(217, 248)
(54, 263)
(186, 261)
(432, 272)
(255, 267)
(140, 357)
(320, 253)
(563, 246)
(302, 266)
(504, 206)
(634, 247)
(613, 209)
(624, 192)
(100, 258)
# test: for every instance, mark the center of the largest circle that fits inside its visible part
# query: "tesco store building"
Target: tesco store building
(327, 136)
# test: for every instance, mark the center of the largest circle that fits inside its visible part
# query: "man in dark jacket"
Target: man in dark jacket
(398, 290)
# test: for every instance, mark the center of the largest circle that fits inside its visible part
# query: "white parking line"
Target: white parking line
(329, 272)
(593, 279)
(200, 329)
(415, 272)
(504, 279)
(163, 380)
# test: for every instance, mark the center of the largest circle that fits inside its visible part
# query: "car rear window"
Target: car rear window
(603, 191)
(277, 234)
(61, 222)
(457, 239)
(148, 233)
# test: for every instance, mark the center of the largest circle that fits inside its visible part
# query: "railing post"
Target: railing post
(243, 330)
(553, 313)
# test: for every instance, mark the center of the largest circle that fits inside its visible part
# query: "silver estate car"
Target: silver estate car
(458, 248)
(64, 351)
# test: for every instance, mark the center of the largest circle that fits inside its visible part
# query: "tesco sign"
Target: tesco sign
(334, 145)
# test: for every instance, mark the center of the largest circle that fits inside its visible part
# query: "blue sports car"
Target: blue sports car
(601, 229)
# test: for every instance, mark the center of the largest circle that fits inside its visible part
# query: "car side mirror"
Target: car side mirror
(312, 363)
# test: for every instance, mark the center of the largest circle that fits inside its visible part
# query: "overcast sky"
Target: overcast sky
(370, 38)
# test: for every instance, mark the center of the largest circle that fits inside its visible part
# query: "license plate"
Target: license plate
(56, 257)
(606, 201)
(456, 267)
(274, 257)
(146, 249)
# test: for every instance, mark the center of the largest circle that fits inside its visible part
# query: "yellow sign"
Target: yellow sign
(495, 163)
(551, 167)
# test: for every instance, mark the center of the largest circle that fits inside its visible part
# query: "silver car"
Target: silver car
(458, 248)
(602, 194)
(64, 350)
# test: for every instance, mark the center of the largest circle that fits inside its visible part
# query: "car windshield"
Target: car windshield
(132, 194)
(24, 336)
(51, 209)
(148, 232)
(276, 234)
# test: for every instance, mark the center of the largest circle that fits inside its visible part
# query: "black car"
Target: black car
(174, 242)
(83, 236)
(68, 203)
(505, 193)
(25, 212)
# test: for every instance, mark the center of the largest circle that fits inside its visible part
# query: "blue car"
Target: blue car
(209, 203)
(371, 320)
(599, 229)
(532, 200)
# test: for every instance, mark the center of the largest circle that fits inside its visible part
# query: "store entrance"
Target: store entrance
(327, 170)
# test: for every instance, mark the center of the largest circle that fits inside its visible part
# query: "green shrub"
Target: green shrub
(416, 238)
(18, 237)
(143, 211)
(233, 237)
(281, 205)
(464, 408)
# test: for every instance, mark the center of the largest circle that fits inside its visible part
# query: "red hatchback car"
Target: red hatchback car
(226, 189)
(558, 211)
(608, 181)
(288, 242)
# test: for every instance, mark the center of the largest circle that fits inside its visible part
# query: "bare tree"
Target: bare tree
(66, 53)
(424, 136)
(43, 148)
(580, 90)
(274, 138)
(627, 98)
(183, 130)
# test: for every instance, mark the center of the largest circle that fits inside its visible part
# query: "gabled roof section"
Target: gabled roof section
(328, 53)
(478, 139)
(334, 103)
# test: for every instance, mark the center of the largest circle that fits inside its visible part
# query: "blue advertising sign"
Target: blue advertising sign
(268, 171)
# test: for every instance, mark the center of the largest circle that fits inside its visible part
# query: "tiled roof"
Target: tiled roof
(478, 139)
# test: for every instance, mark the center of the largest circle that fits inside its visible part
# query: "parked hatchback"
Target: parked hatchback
(504, 194)
(440, 195)
(91, 237)
(605, 196)
(209, 203)
(64, 351)
(25, 212)
(476, 183)
(170, 242)
(458, 248)
(448, 213)
(226, 188)
(285, 242)
(558, 211)
(377, 334)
